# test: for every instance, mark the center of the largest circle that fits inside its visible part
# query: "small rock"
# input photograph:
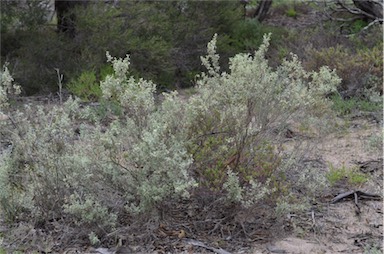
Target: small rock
(274, 249)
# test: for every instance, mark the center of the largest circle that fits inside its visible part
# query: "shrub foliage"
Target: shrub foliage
(65, 164)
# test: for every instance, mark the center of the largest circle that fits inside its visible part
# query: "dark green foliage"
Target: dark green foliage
(357, 25)
(163, 39)
(291, 12)
(16, 19)
(247, 35)
(33, 64)
(23, 25)
(15, 15)
(101, 28)
(348, 106)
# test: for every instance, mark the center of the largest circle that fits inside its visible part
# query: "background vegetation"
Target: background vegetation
(165, 40)
(224, 142)
(117, 152)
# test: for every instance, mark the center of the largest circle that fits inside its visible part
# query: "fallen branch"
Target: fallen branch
(370, 166)
(358, 210)
(355, 195)
(368, 9)
(201, 244)
(376, 21)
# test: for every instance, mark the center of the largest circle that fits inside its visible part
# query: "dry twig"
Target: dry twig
(201, 244)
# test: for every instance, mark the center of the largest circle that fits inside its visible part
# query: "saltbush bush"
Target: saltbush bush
(235, 116)
(7, 87)
(66, 165)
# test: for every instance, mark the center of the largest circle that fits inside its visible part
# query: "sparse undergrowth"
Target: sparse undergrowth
(222, 147)
(349, 106)
(350, 175)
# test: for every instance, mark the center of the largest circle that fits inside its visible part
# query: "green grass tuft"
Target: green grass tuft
(351, 175)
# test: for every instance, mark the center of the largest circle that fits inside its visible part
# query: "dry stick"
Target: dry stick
(357, 206)
(355, 193)
(217, 225)
(371, 24)
(60, 80)
(313, 218)
(358, 11)
(355, 12)
(13, 122)
(201, 244)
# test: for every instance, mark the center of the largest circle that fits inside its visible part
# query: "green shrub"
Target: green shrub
(373, 58)
(357, 25)
(291, 12)
(359, 71)
(357, 59)
(351, 175)
(352, 105)
(86, 86)
(247, 35)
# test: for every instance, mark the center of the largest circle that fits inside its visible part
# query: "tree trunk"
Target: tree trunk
(371, 9)
(262, 10)
(65, 16)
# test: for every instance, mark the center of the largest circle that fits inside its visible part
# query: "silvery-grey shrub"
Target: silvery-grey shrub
(7, 87)
(247, 104)
(142, 157)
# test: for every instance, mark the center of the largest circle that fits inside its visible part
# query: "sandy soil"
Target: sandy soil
(338, 228)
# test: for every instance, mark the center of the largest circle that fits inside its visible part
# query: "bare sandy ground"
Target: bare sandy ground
(338, 228)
